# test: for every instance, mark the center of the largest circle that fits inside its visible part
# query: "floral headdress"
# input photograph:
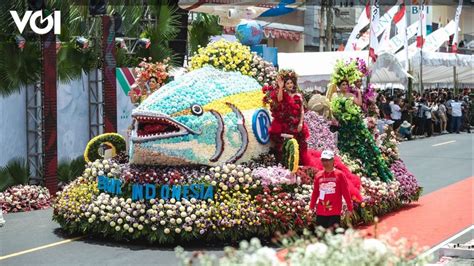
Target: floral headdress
(288, 73)
(346, 71)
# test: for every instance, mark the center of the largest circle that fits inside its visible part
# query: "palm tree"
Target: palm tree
(21, 68)
(202, 28)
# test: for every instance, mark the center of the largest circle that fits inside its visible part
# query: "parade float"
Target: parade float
(198, 164)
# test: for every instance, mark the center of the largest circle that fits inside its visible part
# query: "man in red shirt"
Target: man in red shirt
(330, 186)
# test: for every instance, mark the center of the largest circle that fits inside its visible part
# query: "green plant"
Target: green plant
(69, 170)
(16, 172)
(202, 28)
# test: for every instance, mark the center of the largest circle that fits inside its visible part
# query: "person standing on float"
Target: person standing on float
(343, 86)
(288, 114)
(330, 186)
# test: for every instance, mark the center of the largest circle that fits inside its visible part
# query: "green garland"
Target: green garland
(290, 156)
(356, 140)
(115, 140)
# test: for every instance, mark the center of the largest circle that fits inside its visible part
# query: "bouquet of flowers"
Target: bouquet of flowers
(158, 70)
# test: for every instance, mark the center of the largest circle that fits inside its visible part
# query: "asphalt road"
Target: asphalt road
(440, 160)
(437, 162)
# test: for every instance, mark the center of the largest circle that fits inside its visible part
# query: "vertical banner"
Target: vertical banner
(49, 84)
(420, 39)
(456, 22)
(356, 33)
(108, 70)
(400, 20)
(364, 38)
(374, 23)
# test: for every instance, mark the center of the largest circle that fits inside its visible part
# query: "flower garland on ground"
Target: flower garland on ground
(356, 140)
(24, 198)
(233, 56)
(348, 247)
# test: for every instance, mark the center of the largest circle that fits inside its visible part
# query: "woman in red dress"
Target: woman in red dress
(286, 105)
(288, 114)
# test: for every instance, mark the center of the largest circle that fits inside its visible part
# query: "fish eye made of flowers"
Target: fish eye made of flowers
(346, 71)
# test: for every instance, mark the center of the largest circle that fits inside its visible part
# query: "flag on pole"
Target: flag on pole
(456, 21)
(363, 21)
(374, 21)
(420, 39)
(400, 20)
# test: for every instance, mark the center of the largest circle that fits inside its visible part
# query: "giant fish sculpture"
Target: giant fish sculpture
(205, 117)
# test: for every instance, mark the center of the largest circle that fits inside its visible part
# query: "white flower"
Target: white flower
(375, 246)
(316, 249)
(140, 227)
(119, 221)
(112, 223)
(117, 228)
(179, 221)
(162, 222)
(130, 230)
(177, 230)
(126, 226)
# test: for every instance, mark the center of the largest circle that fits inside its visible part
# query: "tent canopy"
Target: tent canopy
(439, 67)
(315, 68)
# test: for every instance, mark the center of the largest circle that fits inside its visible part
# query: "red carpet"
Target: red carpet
(435, 217)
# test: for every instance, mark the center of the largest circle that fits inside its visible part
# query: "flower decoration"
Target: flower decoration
(291, 154)
(357, 141)
(321, 137)
(346, 71)
(96, 147)
(24, 198)
(343, 247)
(362, 67)
(409, 190)
(158, 70)
(233, 56)
(155, 74)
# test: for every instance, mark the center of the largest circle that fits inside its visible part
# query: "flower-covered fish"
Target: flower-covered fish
(207, 117)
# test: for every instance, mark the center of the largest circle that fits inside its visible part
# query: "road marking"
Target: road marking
(440, 245)
(443, 143)
(41, 247)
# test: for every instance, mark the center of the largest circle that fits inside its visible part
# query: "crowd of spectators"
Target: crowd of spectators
(436, 111)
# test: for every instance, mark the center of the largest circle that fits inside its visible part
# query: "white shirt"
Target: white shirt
(396, 114)
(456, 109)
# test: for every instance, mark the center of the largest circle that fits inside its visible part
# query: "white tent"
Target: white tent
(438, 68)
(314, 69)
